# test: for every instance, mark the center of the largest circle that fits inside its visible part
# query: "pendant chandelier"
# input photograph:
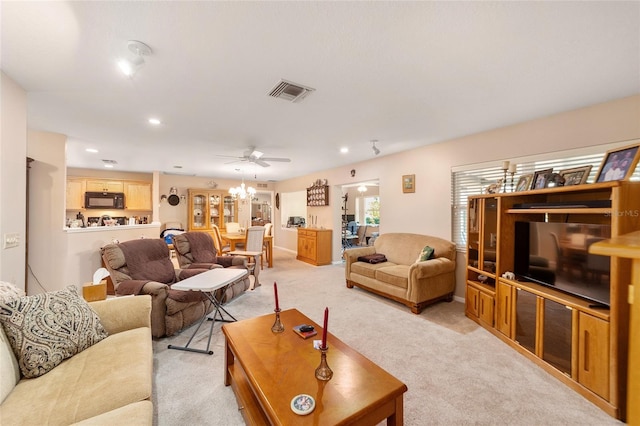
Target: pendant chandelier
(241, 192)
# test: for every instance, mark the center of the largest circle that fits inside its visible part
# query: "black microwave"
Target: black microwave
(104, 200)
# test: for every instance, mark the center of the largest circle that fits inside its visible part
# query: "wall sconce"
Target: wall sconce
(353, 172)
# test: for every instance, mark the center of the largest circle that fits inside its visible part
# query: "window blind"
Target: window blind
(474, 180)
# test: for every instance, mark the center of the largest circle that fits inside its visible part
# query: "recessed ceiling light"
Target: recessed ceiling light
(109, 166)
(154, 121)
(91, 150)
(344, 150)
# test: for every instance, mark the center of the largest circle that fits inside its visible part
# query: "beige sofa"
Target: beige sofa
(108, 383)
(402, 278)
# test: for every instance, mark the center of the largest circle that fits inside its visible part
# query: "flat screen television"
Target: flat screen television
(556, 255)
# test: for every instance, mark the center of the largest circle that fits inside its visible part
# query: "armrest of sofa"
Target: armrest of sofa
(431, 267)
(352, 255)
(124, 313)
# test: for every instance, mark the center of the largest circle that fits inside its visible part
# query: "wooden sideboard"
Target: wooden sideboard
(314, 246)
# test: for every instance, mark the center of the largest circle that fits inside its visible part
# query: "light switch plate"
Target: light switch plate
(11, 240)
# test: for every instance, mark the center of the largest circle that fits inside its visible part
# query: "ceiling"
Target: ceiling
(406, 74)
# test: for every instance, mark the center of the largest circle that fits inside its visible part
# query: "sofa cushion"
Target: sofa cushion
(9, 370)
(426, 254)
(111, 374)
(368, 269)
(138, 413)
(48, 328)
(397, 275)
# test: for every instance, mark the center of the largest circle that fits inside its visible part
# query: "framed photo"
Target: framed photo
(539, 180)
(524, 183)
(619, 164)
(408, 183)
(575, 176)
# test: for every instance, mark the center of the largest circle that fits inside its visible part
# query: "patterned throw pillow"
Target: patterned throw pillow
(9, 291)
(426, 254)
(48, 328)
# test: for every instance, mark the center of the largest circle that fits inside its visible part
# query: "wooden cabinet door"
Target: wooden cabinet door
(137, 195)
(504, 308)
(472, 301)
(485, 308)
(75, 194)
(98, 185)
(198, 211)
(593, 354)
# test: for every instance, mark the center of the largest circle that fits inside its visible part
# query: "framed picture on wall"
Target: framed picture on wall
(575, 176)
(619, 164)
(408, 183)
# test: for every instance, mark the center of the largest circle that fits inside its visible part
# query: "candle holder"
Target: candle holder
(277, 326)
(323, 372)
(512, 173)
(504, 181)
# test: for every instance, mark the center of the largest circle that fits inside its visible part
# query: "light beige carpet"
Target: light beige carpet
(457, 373)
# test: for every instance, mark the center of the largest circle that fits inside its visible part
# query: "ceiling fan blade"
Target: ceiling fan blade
(261, 163)
(282, 160)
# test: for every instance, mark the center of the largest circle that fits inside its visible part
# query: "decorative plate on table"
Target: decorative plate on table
(303, 404)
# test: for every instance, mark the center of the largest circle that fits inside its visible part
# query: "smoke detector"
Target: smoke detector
(289, 91)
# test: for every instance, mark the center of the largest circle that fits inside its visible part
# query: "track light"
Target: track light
(129, 66)
(376, 151)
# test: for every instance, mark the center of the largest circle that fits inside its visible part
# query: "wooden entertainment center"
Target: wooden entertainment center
(582, 343)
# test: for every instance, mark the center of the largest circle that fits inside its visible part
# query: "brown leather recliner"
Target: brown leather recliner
(197, 250)
(143, 267)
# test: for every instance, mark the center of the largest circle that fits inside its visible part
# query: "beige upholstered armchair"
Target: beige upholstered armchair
(197, 250)
(143, 267)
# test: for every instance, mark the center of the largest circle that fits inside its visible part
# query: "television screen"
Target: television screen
(556, 255)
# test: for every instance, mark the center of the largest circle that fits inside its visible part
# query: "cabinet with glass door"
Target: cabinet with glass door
(208, 208)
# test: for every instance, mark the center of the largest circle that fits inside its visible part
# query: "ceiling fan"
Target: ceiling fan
(252, 155)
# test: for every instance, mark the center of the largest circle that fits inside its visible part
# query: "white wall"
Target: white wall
(13, 187)
(428, 210)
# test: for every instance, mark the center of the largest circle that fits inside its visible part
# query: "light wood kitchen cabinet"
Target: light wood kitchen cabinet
(137, 195)
(75, 194)
(100, 185)
(314, 246)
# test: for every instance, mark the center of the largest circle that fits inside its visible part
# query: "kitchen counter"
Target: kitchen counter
(112, 228)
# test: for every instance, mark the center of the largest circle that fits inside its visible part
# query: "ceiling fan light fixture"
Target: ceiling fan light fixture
(129, 66)
(256, 154)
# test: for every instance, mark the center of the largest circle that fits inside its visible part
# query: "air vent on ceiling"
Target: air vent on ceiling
(289, 91)
(262, 185)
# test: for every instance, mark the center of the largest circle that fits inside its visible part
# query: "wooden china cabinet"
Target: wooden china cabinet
(209, 207)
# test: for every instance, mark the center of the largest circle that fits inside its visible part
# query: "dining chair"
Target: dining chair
(268, 232)
(254, 248)
(217, 241)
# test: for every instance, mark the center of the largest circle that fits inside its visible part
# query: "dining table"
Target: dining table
(234, 238)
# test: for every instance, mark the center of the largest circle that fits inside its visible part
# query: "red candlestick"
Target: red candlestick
(324, 329)
(275, 292)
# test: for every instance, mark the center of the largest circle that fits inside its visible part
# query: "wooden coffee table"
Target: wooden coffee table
(267, 370)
